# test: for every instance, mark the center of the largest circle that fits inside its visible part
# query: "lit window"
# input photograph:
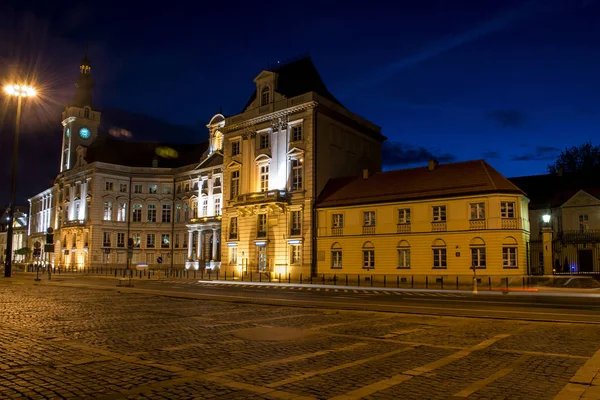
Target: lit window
(507, 209)
(164, 241)
(439, 214)
(404, 216)
(153, 189)
(295, 254)
(369, 218)
(338, 220)
(107, 210)
(121, 212)
(264, 178)
(477, 210)
(218, 206)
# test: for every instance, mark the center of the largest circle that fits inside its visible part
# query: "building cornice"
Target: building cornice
(268, 117)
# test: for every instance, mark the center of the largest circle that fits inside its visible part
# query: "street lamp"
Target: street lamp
(19, 91)
(546, 218)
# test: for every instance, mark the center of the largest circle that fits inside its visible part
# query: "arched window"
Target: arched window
(336, 256)
(478, 259)
(368, 255)
(509, 252)
(264, 96)
(403, 249)
(439, 254)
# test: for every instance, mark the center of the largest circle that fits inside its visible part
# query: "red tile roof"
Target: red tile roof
(446, 180)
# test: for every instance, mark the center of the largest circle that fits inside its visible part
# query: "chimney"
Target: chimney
(433, 164)
(365, 173)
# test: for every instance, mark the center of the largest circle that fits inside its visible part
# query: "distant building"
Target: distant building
(19, 233)
(570, 240)
(436, 220)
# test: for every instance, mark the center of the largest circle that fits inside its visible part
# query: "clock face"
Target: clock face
(84, 133)
(68, 132)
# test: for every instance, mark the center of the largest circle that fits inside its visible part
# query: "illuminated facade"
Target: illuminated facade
(436, 220)
(19, 233)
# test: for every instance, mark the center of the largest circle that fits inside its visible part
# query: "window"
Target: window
(262, 225)
(509, 257)
(263, 141)
(137, 240)
(217, 183)
(235, 184)
(507, 209)
(123, 187)
(177, 240)
(233, 255)
(338, 220)
(137, 213)
(108, 186)
(185, 239)
(164, 241)
(439, 258)
(178, 213)
(296, 174)
(368, 256)
(439, 213)
(295, 223)
(264, 96)
(178, 188)
(120, 239)
(235, 148)
(217, 206)
(137, 188)
(264, 178)
(404, 216)
(187, 187)
(233, 228)
(336, 256)
(186, 212)
(205, 207)
(369, 218)
(151, 213)
(107, 210)
(166, 213)
(583, 223)
(477, 210)
(295, 256)
(166, 189)
(152, 189)
(105, 240)
(296, 133)
(122, 212)
(403, 258)
(194, 209)
(478, 257)
(150, 240)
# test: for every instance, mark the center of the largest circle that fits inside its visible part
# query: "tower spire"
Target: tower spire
(85, 83)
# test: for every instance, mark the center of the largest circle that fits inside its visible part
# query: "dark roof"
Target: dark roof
(141, 154)
(551, 190)
(296, 78)
(446, 180)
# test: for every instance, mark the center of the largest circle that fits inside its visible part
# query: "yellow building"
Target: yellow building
(436, 220)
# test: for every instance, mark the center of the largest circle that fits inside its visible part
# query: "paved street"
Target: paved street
(62, 341)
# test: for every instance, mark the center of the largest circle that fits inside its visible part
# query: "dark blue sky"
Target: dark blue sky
(510, 81)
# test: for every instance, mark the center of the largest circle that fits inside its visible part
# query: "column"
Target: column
(214, 244)
(199, 246)
(83, 201)
(190, 243)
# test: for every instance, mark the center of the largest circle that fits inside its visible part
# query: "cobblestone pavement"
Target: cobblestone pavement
(61, 342)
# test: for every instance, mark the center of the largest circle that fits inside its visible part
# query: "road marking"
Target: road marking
(580, 385)
(407, 375)
(307, 375)
(475, 386)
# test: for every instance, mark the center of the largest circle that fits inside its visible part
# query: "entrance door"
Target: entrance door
(586, 260)
(262, 258)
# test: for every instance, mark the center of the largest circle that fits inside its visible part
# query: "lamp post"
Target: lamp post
(19, 91)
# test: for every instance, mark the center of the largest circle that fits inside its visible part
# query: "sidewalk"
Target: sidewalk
(585, 385)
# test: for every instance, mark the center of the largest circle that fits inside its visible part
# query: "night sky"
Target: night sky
(513, 82)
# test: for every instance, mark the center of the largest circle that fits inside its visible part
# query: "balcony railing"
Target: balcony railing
(589, 236)
(438, 226)
(74, 222)
(509, 223)
(200, 220)
(477, 224)
(262, 197)
(403, 228)
(337, 231)
(369, 230)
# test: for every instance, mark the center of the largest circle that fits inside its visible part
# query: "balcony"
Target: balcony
(74, 222)
(337, 231)
(272, 196)
(202, 220)
(477, 224)
(509, 223)
(368, 230)
(403, 228)
(439, 226)
(589, 236)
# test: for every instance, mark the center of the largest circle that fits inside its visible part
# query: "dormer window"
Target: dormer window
(264, 96)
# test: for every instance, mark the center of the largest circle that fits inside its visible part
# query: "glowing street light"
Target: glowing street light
(546, 218)
(18, 91)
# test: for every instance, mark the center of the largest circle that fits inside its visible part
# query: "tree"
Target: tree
(23, 251)
(583, 159)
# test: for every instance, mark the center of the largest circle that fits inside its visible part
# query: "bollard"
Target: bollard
(251, 277)
(397, 281)
(371, 280)
(523, 282)
(242, 275)
(490, 282)
(506, 283)
(323, 279)
(358, 279)
(457, 283)
(260, 277)
(442, 283)
(301, 278)
(346, 279)
(334, 279)
(289, 278)
(311, 278)
(384, 282)
(225, 275)
(115, 272)
(412, 281)
(279, 277)
(426, 282)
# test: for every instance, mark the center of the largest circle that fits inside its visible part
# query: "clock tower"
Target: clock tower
(80, 120)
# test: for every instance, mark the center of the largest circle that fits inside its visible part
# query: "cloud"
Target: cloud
(507, 118)
(540, 153)
(491, 154)
(402, 154)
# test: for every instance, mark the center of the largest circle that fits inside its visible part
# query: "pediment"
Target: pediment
(295, 151)
(264, 75)
(213, 160)
(261, 158)
(234, 164)
(581, 199)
